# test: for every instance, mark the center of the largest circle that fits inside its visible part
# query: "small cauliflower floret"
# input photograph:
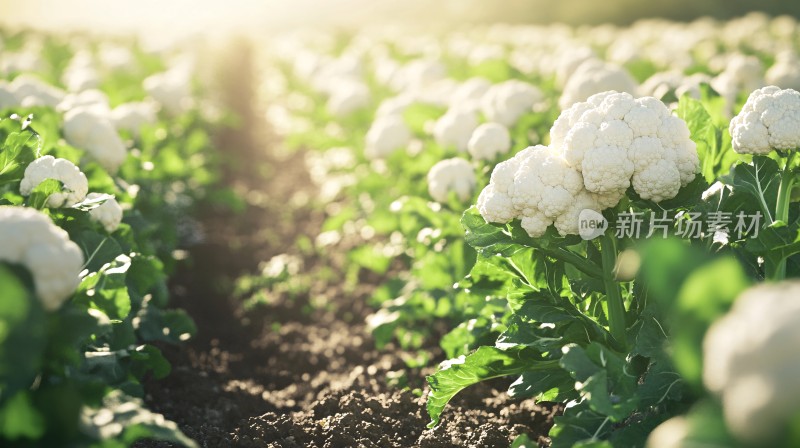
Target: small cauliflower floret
(660, 180)
(606, 168)
(74, 183)
(468, 95)
(456, 175)
(756, 372)
(770, 119)
(34, 90)
(593, 77)
(87, 130)
(92, 99)
(535, 225)
(785, 73)
(495, 206)
(108, 214)
(171, 89)
(488, 141)
(567, 223)
(386, 135)
(29, 238)
(454, 128)
(132, 116)
(348, 97)
(504, 103)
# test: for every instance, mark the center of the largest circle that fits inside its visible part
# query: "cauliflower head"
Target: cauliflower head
(616, 141)
(387, 134)
(108, 214)
(770, 119)
(28, 237)
(594, 76)
(507, 101)
(456, 175)
(454, 128)
(75, 184)
(488, 141)
(756, 371)
(84, 128)
(132, 116)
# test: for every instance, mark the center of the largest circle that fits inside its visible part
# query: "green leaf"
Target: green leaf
(106, 290)
(20, 148)
(19, 419)
(22, 334)
(523, 441)
(546, 385)
(483, 364)
(39, 196)
(760, 181)
(602, 378)
(579, 424)
(713, 149)
(125, 418)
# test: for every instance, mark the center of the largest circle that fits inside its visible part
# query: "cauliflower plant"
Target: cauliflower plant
(750, 361)
(770, 119)
(785, 73)
(348, 97)
(454, 128)
(488, 141)
(75, 186)
(132, 116)
(448, 175)
(171, 89)
(29, 238)
(387, 134)
(504, 103)
(108, 214)
(594, 76)
(84, 128)
(598, 149)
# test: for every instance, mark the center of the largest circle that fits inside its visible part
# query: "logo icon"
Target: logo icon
(591, 224)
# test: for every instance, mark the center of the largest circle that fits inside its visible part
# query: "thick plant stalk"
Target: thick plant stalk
(778, 271)
(616, 308)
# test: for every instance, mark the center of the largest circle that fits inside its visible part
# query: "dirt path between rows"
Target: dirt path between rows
(281, 375)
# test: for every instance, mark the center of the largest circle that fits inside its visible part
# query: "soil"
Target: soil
(286, 374)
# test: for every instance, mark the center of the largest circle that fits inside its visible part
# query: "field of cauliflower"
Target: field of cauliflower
(501, 236)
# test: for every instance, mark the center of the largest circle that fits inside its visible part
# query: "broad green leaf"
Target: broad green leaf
(39, 196)
(483, 364)
(579, 424)
(22, 334)
(545, 385)
(602, 378)
(760, 180)
(126, 419)
(19, 418)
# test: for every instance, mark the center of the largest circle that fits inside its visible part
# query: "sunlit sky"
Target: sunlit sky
(170, 16)
(167, 18)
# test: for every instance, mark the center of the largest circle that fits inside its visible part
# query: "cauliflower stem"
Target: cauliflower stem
(777, 272)
(614, 303)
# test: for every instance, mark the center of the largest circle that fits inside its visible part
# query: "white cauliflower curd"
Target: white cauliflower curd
(506, 102)
(132, 116)
(598, 149)
(594, 76)
(750, 360)
(454, 128)
(108, 214)
(75, 186)
(30, 239)
(770, 119)
(456, 175)
(85, 129)
(386, 135)
(488, 141)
